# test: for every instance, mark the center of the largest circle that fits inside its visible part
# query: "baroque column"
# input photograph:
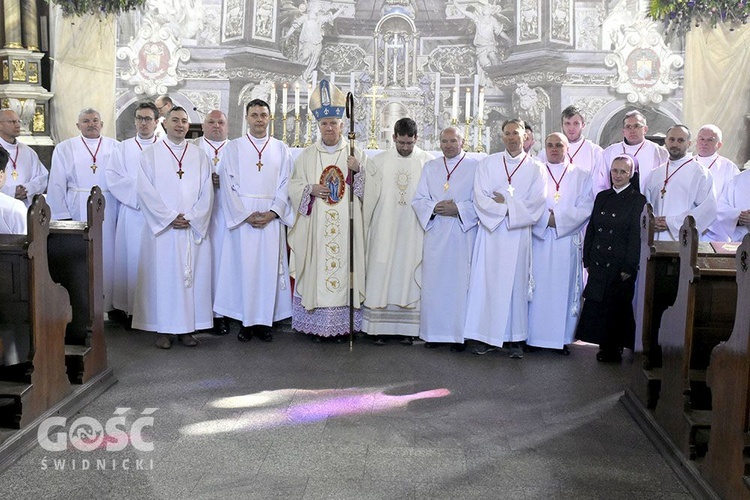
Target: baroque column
(12, 28)
(30, 30)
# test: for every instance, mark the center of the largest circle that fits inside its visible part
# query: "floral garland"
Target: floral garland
(105, 7)
(681, 15)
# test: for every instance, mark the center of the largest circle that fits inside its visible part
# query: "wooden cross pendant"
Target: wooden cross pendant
(557, 196)
(14, 175)
(180, 172)
(511, 190)
(93, 167)
(446, 186)
(259, 165)
(216, 160)
(663, 191)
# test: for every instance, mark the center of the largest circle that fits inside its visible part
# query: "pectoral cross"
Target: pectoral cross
(557, 196)
(216, 160)
(663, 191)
(511, 190)
(259, 165)
(180, 172)
(14, 175)
(446, 186)
(93, 167)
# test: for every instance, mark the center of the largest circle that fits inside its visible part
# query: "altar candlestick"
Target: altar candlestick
(273, 99)
(284, 100)
(454, 105)
(480, 110)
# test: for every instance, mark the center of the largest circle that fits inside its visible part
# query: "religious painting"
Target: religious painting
(264, 20)
(334, 180)
(233, 20)
(529, 27)
(6, 73)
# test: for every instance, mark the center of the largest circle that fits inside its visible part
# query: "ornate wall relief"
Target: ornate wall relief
(644, 63)
(529, 25)
(561, 21)
(588, 27)
(203, 101)
(264, 20)
(233, 20)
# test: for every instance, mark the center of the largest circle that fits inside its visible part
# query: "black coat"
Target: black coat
(612, 242)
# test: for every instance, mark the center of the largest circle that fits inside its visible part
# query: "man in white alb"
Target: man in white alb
(557, 249)
(445, 210)
(122, 173)
(253, 285)
(679, 188)
(213, 142)
(509, 200)
(175, 193)
(733, 215)
(649, 155)
(722, 171)
(393, 248)
(26, 176)
(78, 164)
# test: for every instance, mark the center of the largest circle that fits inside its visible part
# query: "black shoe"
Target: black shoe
(432, 345)
(117, 316)
(458, 347)
(608, 356)
(407, 341)
(379, 340)
(246, 334)
(264, 333)
(129, 323)
(221, 326)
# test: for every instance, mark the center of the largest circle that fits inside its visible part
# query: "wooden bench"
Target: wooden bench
(31, 302)
(702, 316)
(75, 260)
(656, 290)
(727, 463)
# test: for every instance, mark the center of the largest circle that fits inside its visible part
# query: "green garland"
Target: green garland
(105, 7)
(681, 15)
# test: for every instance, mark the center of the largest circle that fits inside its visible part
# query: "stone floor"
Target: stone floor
(296, 419)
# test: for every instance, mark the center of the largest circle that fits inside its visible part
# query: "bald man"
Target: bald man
(556, 248)
(215, 131)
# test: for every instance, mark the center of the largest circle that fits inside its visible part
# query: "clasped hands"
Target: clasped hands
(259, 220)
(447, 208)
(744, 218)
(660, 223)
(180, 222)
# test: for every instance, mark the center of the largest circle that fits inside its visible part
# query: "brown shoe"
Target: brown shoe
(188, 340)
(164, 341)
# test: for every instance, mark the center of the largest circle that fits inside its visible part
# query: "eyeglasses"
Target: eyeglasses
(146, 119)
(633, 127)
(14, 122)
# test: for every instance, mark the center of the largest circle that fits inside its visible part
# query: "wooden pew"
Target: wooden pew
(29, 299)
(75, 259)
(656, 289)
(727, 463)
(701, 317)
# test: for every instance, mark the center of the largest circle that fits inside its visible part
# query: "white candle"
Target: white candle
(457, 83)
(273, 99)
(333, 79)
(314, 80)
(467, 109)
(437, 94)
(351, 83)
(480, 110)
(283, 100)
(296, 100)
(454, 104)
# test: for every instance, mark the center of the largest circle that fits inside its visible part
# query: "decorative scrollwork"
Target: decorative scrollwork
(453, 60)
